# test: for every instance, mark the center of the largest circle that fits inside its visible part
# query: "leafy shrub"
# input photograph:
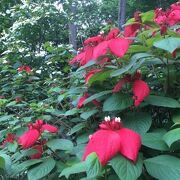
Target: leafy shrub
(131, 74)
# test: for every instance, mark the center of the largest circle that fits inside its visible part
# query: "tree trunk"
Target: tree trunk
(122, 13)
(73, 27)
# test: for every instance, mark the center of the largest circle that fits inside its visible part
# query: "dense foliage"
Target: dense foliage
(114, 117)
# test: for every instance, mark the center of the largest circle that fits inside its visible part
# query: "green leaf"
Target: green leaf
(117, 102)
(168, 44)
(71, 112)
(97, 95)
(154, 140)
(99, 76)
(172, 136)
(12, 146)
(93, 166)
(8, 162)
(61, 144)
(162, 101)
(126, 169)
(16, 169)
(134, 59)
(42, 169)
(5, 118)
(90, 63)
(139, 122)
(2, 163)
(88, 114)
(76, 168)
(77, 128)
(163, 167)
(176, 116)
(147, 16)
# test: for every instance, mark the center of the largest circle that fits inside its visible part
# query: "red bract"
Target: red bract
(174, 17)
(9, 139)
(120, 84)
(140, 90)
(83, 98)
(38, 155)
(30, 137)
(25, 68)
(113, 34)
(100, 49)
(112, 139)
(118, 46)
(98, 46)
(90, 74)
(94, 40)
(160, 16)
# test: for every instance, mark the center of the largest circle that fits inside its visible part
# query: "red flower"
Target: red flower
(112, 139)
(140, 88)
(25, 68)
(98, 46)
(38, 155)
(2, 97)
(90, 74)
(30, 137)
(174, 14)
(9, 139)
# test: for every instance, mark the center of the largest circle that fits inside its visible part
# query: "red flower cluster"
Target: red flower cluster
(100, 45)
(140, 88)
(112, 139)
(24, 68)
(30, 137)
(167, 18)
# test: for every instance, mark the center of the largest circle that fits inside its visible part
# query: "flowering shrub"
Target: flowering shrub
(132, 74)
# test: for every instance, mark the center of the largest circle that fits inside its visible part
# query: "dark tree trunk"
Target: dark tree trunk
(122, 13)
(73, 27)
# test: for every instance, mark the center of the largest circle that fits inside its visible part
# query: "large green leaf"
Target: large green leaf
(8, 162)
(168, 44)
(93, 166)
(99, 76)
(12, 146)
(117, 102)
(17, 168)
(90, 63)
(172, 136)
(77, 128)
(5, 118)
(88, 114)
(154, 140)
(97, 95)
(139, 122)
(126, 169)
(132, 62)
(61, 144)
(76, 168)
(42, 169)
(162, 101)
(163, 167)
